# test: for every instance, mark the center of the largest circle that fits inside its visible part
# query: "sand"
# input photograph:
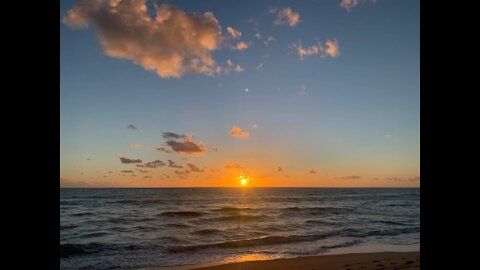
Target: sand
(359, 261)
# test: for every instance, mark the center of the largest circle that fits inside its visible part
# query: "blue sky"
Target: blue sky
(354, 114)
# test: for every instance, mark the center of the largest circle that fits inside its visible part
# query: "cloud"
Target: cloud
(232, 67)
(331, 48)
(164, 149)
(258, 35)
(254, 125)
(131, 126)
(182, 173)
(182, 144)
(268, 40)
(303, 90)
(235, 34)
(186, 147)
(127, 171)
(351, 177)
(414, 179)
(172, 135)
(135, 145)
(240, 46)
(396, 179)
(214, 149)
(280, 169)
(152, 164)
(312, 171)
(127, 160)
(233, 166)
(285, 16)
(236, 131)
(172, 164)
(142, 171)
(194, 168)
(172, 43)
(348, 4)
(259, 66)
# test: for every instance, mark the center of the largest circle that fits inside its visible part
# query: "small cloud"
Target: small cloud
(331, 48)
(127, 171)
(280, 169)
(258, 35)
(233, 166)
(142, 171)
(240, 46)
(285, 16)
(152, 164)
(131, 126)
(312, 171)
(351, 177)
(172, 135)
(214, 149)
(268, 40)
(232, 67)
(414, 179)
(396, 179)
(235, 34)
(182, 173)
(194, 168)
(349, 4)
(164, 149)
(303, 90)
(172, 164)
(254, 125)
(236, 131)
(127, 160)
(147, 176)
(135, 145)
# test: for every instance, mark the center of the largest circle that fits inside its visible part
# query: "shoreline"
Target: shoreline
(385, 260)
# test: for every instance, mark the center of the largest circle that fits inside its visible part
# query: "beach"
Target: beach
(382, 260)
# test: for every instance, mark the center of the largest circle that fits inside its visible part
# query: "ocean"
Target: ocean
(135, 228)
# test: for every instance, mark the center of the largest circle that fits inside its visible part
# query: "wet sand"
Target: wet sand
(359, 261)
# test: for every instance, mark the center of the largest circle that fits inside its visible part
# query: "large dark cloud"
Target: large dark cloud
(186, 147)
(127, 160)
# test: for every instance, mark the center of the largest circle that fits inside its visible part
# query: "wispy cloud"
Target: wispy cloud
(236, 131)
(235, 34)
(351, 177)
(240, 46)
(127, 160)
(235, 166)
(285, 16)
(331, 48)
(254, 125)
(349, 4)
(280, 169)
(131, 126)
(172, 44)
(312, 171)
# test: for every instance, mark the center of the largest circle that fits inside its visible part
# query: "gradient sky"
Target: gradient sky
(332, 99)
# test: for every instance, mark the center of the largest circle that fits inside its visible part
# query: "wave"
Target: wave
(206, 231)
(232, 209)
(269, 240)
(239, 218)
(182, 214)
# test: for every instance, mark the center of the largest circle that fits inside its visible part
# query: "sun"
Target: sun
(243, 181)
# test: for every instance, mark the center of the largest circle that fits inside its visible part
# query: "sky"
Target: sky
(207, 93)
